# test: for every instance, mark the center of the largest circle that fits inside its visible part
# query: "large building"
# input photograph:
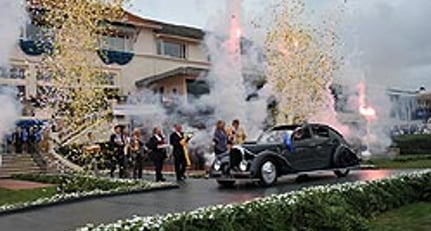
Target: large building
(143, 53)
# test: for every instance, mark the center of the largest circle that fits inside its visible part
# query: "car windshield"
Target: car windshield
(274, 136)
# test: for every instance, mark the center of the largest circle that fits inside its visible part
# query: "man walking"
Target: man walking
(178, 142)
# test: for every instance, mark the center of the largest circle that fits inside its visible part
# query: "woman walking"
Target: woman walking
(220, 138)
(137, 149)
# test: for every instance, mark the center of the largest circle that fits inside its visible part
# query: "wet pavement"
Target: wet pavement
(193, 194)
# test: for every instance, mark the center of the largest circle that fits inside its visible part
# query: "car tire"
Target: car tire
(342, 172)
(268, 173)
(226, 183)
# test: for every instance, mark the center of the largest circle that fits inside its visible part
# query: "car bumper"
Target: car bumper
(231, 175)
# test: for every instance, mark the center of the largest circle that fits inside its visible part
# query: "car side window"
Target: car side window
(272, 137)
(301, 134)
(320, 132)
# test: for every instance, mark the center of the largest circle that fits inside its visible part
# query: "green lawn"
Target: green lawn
(414, 217)
(14, 196)
(403, 162)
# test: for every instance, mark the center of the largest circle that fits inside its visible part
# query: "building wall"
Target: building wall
(145, 63)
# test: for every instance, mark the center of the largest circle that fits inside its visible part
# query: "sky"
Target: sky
(197, 12)
(393, 37)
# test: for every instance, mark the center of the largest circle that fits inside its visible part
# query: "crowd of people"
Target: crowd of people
(23, 140)
(411, 129)
(129, 151)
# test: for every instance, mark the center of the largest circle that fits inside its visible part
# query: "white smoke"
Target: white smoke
(230, 78)
(386, 46)
(236, 49)
(13, 17)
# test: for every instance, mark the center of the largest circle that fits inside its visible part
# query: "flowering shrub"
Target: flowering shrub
(413, 144)
(74, 153)
(73, 187)
(80, 183)
(336, 207)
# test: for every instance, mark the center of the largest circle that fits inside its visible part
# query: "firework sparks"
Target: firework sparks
(364, 109)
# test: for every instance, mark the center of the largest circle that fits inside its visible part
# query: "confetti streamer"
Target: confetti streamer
(301, 62)
(75, 28)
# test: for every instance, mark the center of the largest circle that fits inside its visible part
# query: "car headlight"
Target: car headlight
(243, 166)
(217, 165)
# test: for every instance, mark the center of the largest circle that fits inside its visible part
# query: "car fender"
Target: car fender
(339, 151)
(279, 161)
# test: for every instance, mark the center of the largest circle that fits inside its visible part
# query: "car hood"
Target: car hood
(254, 148)
(251, 149)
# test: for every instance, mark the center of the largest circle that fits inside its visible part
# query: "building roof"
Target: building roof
(190, 71)
(393, 91)
(424, 96)
(165, 28)
(157, 26)
(183, 31)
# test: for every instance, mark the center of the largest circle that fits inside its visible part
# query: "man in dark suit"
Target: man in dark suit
(117, 144)
(178, 141)
(157, 146)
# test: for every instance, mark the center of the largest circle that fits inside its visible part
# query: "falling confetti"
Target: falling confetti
(301, 62)
(74, 29)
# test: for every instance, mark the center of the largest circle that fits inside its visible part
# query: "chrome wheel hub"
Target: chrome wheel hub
(268, 172)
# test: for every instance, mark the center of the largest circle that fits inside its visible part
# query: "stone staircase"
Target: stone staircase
(18, 163)
(101, 130)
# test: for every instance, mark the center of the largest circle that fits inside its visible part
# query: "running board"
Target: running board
(320, 171)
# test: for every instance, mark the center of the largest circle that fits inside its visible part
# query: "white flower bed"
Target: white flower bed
(57, 198)
(156, 222)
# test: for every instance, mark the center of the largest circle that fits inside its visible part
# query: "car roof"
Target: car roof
(294, 126)
(282, 127)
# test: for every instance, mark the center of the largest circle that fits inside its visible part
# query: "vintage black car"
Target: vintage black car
(286, 149)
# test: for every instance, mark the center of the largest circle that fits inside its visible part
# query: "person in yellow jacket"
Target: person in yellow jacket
(238, 134)
(181, 159)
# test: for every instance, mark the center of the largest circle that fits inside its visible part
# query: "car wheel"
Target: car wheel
(226, 183)
(342, 172)
(268, 173)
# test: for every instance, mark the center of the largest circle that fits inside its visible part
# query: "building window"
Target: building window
(123, 43)
(161, 90)
(171, 49)
(196, 89)
(13, 72)
(108, 78)
(43, 76)
(35, 33)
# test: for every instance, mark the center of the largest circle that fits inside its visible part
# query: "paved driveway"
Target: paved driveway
(195, 193)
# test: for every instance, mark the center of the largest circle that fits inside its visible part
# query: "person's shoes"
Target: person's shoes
(163, 180)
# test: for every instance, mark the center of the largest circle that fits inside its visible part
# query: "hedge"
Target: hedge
(74, 188)
(340, 207)
(78, 183)
(413, 144)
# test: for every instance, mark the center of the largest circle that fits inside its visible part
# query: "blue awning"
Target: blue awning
(31, 122)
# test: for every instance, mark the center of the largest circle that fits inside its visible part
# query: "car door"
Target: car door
(302, 157)
(321, 147)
